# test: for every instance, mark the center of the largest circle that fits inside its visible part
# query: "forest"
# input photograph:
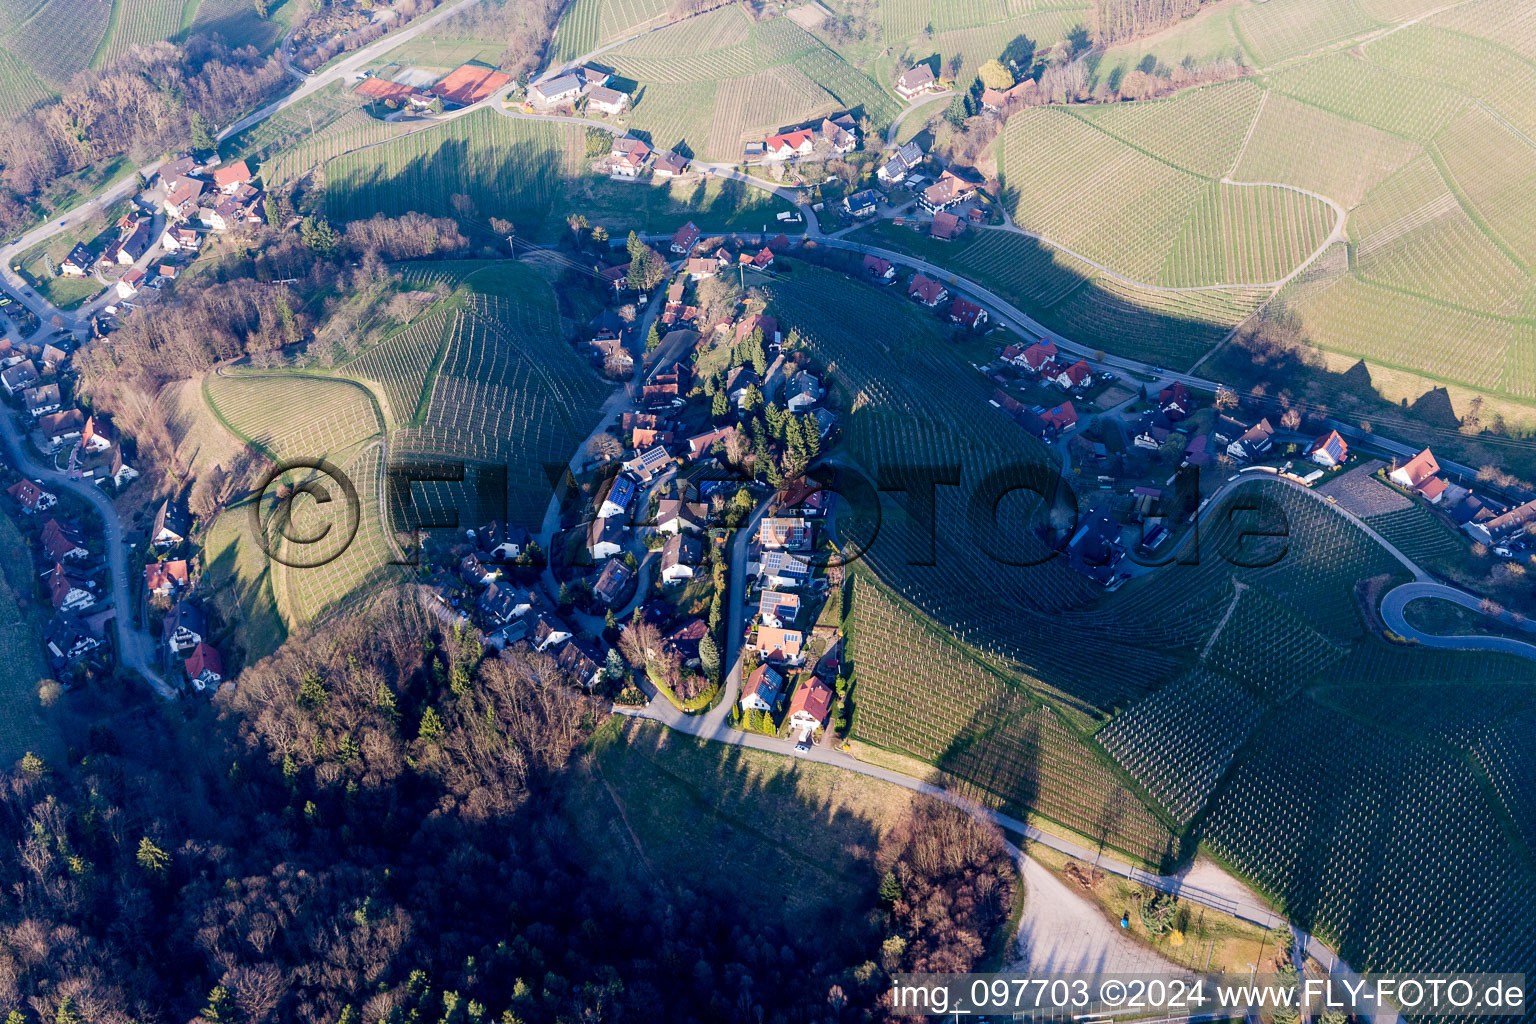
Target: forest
(1120, 20)
(369, 828)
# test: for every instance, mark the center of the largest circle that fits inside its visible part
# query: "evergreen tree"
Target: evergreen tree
(151, 858)
(720, 406)
(201, 130)
(319, 236)
(653, 339)
(431, 728)
(890, 888)
(709, 657)
(221, 1006)
(67, 1013)
(755, 352)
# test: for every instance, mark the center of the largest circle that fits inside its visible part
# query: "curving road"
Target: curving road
(1399, 598)
(136, 650)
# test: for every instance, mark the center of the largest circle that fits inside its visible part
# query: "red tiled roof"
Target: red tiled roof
(204, 657)
(1420, 467)
(813, 698)
(232, 174)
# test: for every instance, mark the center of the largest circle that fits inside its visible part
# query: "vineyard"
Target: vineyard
(1179, 741)
(1356, 160)
(304, 121)
(259, 408)
(1383, 844)
(716, 80)
(1279, 31)
(1201, 131)
(1118, 205)
(588, 24)
(402, 365)
(139, 23)
(922, 695)
(59, 40)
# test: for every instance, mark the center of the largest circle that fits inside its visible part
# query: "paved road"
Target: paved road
(1400, 597)
(135, 650)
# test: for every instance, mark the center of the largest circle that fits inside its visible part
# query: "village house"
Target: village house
(162, 579)
(802, 392)
(499, 604)
(170, 527)
(840, 132)
(685, 238)
(669, 164)
(611, 581)
(680, 558)
(204, 668)
(628, 156)
(580, 664)
(1491, 529)
(129, 284)
(865, 203)
(760, 691)
(700, 444)
(760, 260)
(229, 178)
(926, 290)
(1152, 431)
(777, 609)
(605, 537)
(810, 705)
(183, 197)
(607, 101)
(1329, 450)
(32, 498)
(59, 428)
(903, 162)
(617, 501)
(475, 572)
(185, 626)
(499, 543)
(18, 377)
(684, 640)
(966, 313)
(915, 81)
(1096, 549)
(1253, 442)
(1070, 377)
(650, 463)
(42, 400)
(788, 145)
(650, 437)
(784, 569)
(180, 238)
(1060, 419)
(781, 646)
(1420, 473)
(68, 639)
(946, 192)
(676, 516)
(133, 243)
(121, 473)
(784, 532)
(69, 593)
(880, 270)
(700, 267)
(548, 632)
(79, 262)
(63, 542)
(1175, 402)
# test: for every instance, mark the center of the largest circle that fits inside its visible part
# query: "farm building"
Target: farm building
(556, 93)
(607, 101)
(946, 192)
(915, 81)
(469, 83)
(669, 164)
(946, 226)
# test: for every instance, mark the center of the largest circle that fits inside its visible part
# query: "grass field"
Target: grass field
(240, 581)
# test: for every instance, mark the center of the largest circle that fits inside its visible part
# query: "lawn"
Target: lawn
(1446, 618)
